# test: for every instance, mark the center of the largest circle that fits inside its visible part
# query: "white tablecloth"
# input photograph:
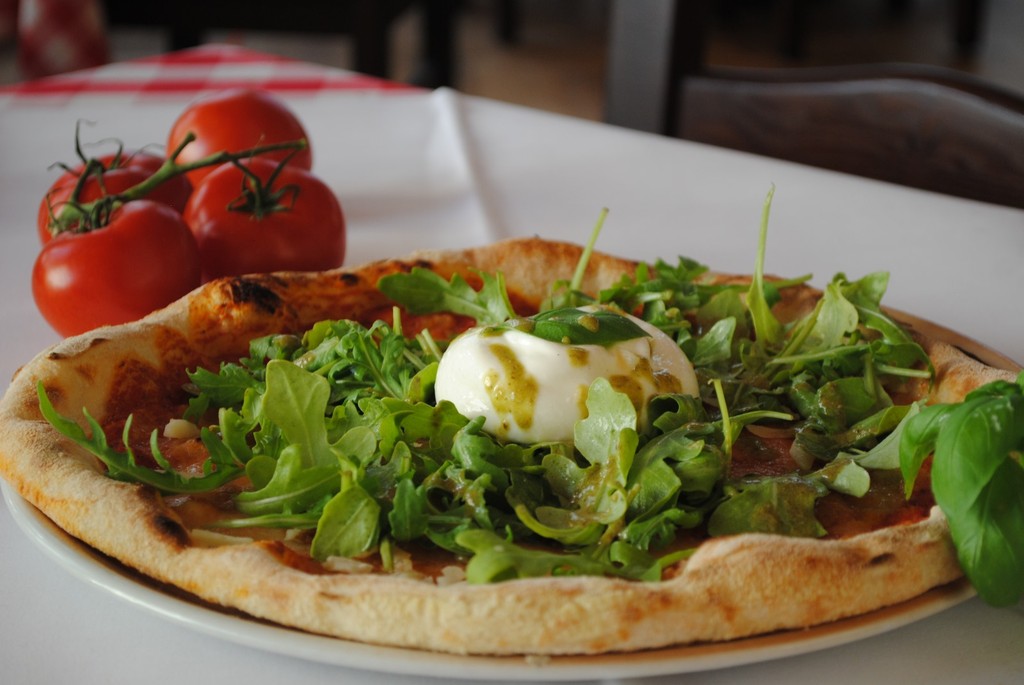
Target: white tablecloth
(418, 169)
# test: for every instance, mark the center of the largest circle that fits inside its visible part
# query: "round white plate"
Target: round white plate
(97, 569)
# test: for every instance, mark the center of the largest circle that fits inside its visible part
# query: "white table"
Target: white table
(416, 169)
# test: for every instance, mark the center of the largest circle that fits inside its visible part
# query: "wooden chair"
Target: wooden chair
(925, 127)
(368, 22)
(792, 18)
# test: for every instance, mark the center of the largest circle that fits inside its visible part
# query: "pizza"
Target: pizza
(435, 501)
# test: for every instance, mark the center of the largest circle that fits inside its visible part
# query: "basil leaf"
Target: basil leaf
(978, 481)
(571, 326)
(918, 441)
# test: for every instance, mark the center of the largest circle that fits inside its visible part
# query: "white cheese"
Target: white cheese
(181, 429)
(533, 390)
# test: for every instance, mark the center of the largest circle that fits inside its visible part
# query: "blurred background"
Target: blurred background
(550, 54)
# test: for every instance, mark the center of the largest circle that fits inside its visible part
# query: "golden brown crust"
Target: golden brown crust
(730, 588)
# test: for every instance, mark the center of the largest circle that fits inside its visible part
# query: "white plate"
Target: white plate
(97, 569)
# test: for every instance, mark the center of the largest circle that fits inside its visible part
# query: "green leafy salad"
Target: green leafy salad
(339, 432)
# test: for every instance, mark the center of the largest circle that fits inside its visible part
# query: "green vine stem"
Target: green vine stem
(260, 198)
(85, 217)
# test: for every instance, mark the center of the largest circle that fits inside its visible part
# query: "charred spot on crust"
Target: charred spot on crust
(170, 529)
(250, 291)
(349, 279)
(58, 355)
(165, 526)
(420, 264)
(881, 559)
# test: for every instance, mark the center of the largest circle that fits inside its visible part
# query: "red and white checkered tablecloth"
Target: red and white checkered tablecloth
(205, 68)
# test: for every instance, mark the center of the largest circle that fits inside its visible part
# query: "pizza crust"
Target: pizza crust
(730, 588)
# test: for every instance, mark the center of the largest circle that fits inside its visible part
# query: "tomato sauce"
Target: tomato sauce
(841, 515)
(163, 397)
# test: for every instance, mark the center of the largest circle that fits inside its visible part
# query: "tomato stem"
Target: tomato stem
(85, 217)
(260, 198)
(172, 168)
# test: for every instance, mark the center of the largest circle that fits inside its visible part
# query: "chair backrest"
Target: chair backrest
(925, 127)
(368, 23)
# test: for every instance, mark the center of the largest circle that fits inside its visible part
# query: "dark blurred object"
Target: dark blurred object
(368, 22)
(55, 36)
(919, 126)
(508, 19)
(793, 17)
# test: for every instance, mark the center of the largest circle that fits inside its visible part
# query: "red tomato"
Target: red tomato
(305, 233)
(121, 173)
(236, 120)
(145, 258)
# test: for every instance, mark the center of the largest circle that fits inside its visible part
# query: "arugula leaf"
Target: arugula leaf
(475, 451)
(662, 291)
(567, 293)
(659, 529)
(226, 388)
(571, 527)
(407, 519)
(496, 559)
(360, 361)
(782, 505)
(338, 430)
(592, 498)
(122, 465)
(294, 487)
(767, 327)
(422, 291)
(828, 326)
(349, 527)
(716, 344)
(845, 475)
(296, 402)
(886, 452)
(608, 435)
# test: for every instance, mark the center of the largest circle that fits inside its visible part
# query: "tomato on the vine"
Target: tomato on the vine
(142, 260)
(235, 120)
(117, 173)
(289, 221)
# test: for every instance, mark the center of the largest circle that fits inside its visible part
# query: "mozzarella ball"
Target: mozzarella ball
(533, 390)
